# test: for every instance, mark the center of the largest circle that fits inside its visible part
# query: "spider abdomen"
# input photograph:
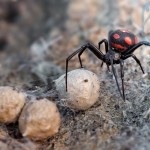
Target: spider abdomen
(122, 40)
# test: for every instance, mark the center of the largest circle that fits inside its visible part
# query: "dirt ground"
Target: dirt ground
(33, 36)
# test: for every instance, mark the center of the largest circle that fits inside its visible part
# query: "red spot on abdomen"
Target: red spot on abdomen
(116, 36)
(128, 40)
(118, 47)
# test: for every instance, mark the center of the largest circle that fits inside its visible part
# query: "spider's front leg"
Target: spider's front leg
(115, 75)
(106, 47)
(122, 77)
(99, 44)
(91, 47)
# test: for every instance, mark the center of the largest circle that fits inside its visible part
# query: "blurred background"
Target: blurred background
(35, 30)
(36, 37)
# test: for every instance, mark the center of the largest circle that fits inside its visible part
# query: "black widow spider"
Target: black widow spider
(120, 46)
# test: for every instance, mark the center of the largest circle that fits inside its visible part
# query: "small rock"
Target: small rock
(11, 104)
(83, 89)
(39, 119)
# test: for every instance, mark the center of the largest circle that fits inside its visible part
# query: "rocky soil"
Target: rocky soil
(36, 37)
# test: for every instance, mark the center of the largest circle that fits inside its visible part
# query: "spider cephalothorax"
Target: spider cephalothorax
(120, 45)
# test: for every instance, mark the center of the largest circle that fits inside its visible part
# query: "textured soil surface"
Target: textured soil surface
(36, 37)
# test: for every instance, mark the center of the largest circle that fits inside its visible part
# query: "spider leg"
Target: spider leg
(91, 47)
(67, 61)
(99, 44)
(138, 62)
(107, 66)
(122, 77)
(131, 50)
(79, 56)
(136, 59)
(115, 75)
(106, 48)
(106, 44)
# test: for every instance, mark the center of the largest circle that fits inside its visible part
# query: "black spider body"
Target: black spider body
(120, 45)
